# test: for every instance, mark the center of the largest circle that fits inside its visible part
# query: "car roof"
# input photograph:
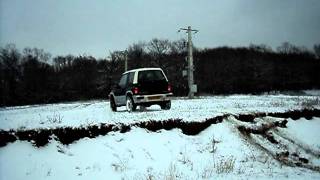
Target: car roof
(142, 69)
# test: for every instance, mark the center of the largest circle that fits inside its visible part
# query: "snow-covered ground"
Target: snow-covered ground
(140, 154)
(218, 152)
(95, 112)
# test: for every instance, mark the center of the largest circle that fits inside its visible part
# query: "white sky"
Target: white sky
(97, 27)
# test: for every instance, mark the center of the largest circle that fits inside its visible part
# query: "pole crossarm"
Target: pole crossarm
(184, 29)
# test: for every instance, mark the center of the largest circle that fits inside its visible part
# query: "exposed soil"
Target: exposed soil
(68, 135)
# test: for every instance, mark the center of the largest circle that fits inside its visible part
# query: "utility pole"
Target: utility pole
(125, 53)
(125, 62)
(192, 86)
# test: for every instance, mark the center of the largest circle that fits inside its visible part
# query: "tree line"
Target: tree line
(33, 76)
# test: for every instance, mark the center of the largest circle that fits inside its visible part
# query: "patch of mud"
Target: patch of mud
(187, 128)
(295, 115)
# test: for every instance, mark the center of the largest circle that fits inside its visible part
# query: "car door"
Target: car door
(120, 91)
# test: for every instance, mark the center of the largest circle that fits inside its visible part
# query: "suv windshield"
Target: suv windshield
(151, 75)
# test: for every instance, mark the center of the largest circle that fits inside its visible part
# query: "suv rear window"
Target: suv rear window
(151, 75)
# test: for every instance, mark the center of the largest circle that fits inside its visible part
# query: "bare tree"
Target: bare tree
(316, 48)
(260, 48)
(10, 55)
(285, 48)
(178, 46)
(288, 48)
(38, 54)
(10, 73)
(137, 49)
(118, 55)
(137, 54)
(158, 48)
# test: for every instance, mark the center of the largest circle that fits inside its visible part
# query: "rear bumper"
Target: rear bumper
(154, 98)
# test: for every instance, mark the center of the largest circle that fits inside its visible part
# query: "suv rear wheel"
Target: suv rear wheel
(113, 105)
(130, 105)
(166, 105)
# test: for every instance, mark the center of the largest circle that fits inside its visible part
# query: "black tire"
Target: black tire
(166, 105)
(142, 108)
(130, 105)
(113, 105)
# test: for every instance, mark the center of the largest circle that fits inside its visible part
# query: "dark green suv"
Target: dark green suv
(141, 87)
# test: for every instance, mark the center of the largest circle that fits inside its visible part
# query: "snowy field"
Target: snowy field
(218, 152)
(94, 112)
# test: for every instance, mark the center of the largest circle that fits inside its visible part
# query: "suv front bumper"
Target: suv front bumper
(140, 99)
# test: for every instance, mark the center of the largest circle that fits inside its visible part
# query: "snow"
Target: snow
(312, 92)
(95, 112)
(297, 130)
(218, 152)
(140, 153)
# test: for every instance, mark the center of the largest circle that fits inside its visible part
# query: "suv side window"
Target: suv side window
(130, 78)
(123, 81)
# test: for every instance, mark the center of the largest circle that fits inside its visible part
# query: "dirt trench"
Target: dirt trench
(280, 146)
(68, 135)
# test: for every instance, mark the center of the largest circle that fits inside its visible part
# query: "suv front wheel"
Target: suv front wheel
(113, 105)
(130, 105)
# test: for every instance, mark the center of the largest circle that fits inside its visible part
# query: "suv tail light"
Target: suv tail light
(135, 90)
(169, 88)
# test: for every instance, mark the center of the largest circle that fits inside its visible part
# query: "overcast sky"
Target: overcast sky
(97, 27)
